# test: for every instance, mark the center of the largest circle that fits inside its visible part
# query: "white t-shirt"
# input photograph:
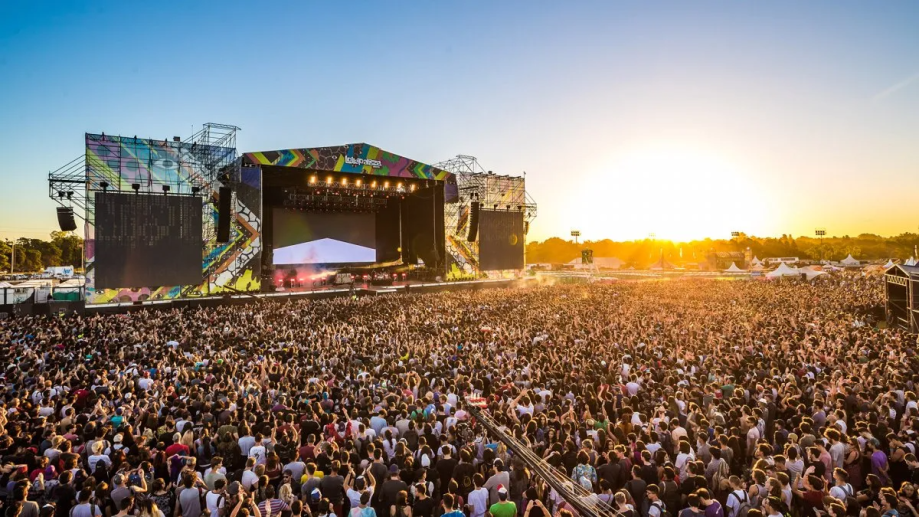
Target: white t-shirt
(478, 500)
(259, 453)
(355, 497)
(735, 498)
(214, 502)
(249, 478)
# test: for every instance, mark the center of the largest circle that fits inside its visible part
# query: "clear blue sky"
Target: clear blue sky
(681, 118)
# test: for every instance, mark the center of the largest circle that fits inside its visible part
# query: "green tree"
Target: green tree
(5, 255)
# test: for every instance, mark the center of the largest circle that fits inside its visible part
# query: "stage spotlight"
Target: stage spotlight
(344, 182)
(195, 190)
(136, 187)
(69, 194)
(496, 206)
(60, 194)
(519, 207)
(399, 185)
(165, 189)
(413, 187)
(104, 185)
(385, 184)
(358, 182)
(328, 181)
(312, 180)
(373, 184)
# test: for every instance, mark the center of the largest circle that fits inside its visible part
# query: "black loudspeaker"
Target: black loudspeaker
(65, 219)
(223, 214)
(473, 221)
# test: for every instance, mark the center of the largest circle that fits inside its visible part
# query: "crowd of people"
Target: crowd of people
(659, 398)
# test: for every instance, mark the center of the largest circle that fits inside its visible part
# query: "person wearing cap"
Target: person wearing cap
(121, 490)
(497, 477)
(503, 508)
(389, 491)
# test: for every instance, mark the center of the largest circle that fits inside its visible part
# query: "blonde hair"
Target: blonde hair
(285, 493)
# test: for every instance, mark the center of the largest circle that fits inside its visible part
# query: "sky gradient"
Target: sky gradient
(683, 119)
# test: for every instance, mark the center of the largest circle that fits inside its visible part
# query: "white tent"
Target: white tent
(889, 264)
(734, 269)
(5, 284)
(756, 261)
(810, 272)
(910, 262)
(783, 270)
(850, 261)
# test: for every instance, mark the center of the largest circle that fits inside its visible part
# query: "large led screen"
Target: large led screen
(147, 240)
(501, 240)
(323, 237)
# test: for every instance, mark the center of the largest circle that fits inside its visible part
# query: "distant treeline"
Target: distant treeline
(62, 249)
(640, 253)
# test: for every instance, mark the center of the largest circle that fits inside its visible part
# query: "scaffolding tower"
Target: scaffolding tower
(491, 192)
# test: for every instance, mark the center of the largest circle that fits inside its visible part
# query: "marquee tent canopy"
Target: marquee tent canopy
(734, 269)
(783, 270)
(850, 261)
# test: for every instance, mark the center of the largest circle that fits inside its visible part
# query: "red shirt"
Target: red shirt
(177, 448)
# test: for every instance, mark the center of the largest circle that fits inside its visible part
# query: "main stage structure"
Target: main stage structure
(453, 219)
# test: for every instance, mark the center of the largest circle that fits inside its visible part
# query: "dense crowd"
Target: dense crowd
(662, 398)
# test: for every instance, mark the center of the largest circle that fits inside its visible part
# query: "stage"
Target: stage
(182, 221)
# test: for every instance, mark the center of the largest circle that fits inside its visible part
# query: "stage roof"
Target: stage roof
(357, 158)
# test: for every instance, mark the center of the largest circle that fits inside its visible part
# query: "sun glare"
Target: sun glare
(672, 193)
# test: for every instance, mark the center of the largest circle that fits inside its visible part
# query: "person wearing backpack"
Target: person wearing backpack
(738, 502)
(842, 490)
(215, 500)
(656, 507)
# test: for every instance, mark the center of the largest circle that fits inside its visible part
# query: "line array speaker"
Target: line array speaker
(473, 221)
(65, 219)
(225, 195)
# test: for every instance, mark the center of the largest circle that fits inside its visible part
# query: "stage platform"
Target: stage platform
(325, 292)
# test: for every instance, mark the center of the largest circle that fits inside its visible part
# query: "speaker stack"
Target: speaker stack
(65, 219)
(473, 221)
(225, 196)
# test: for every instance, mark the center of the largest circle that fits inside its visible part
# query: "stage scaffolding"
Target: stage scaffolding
(492, 192)
(209, 155)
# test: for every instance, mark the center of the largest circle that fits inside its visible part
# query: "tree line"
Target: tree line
(640, 253)
(62, 249)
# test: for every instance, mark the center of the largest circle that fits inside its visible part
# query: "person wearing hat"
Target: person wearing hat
(503, 508)
(497, 477)
(389, 491)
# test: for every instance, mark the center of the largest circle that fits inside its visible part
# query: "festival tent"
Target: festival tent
(783, 270)
(734, 269)
(756, 261)
(889, 264)
(910, 262)
(850, 261)
(811, 272)
(660, 265)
